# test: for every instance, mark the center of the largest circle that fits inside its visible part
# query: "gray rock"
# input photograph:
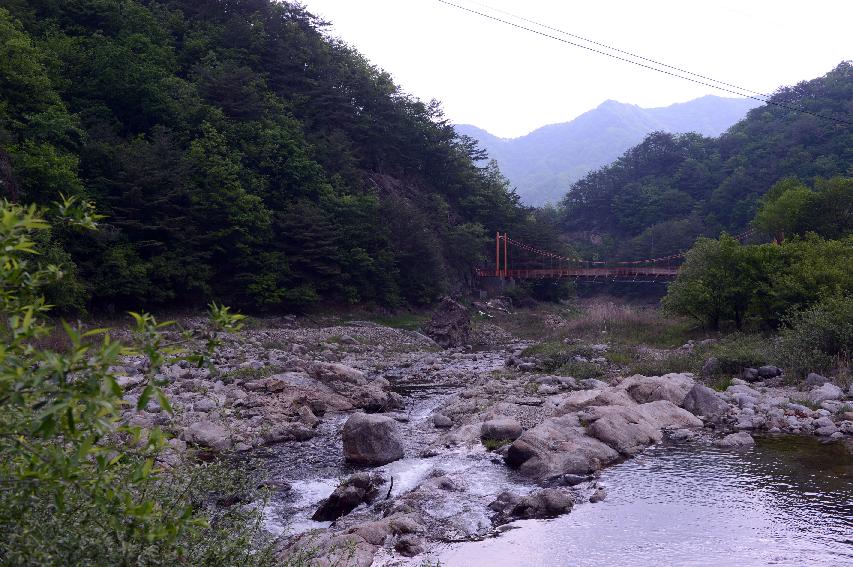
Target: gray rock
(558, 445)
(545, 503)
(348, 340)
(826, 431)
(358, 489)
(769, 371)
(441, 421)
(288, 432)
(334, 372)
(740, 439)
(671, 387)
(371, 440)
(526, 366)
(814, 379)
(450, 325)
(826, 392)
(598, 496)
(593, 384)
(628, 429)
(704, 401)
(204, 405)
(502, 428)
(750, 375)
(208, 434)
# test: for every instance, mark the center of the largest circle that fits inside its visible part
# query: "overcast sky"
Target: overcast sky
(510, 82)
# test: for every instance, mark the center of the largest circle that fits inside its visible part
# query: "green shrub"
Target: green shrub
(739, 351)
(77, 486)
(818, 339)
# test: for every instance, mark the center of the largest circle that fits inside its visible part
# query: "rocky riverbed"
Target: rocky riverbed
(383, 442)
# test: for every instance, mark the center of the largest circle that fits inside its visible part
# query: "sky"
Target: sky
(510, 82)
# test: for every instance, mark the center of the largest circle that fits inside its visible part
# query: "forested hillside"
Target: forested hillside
(660, 195)
(544, 163)
(237, 153)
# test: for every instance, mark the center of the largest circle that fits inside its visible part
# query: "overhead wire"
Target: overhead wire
(714, 84)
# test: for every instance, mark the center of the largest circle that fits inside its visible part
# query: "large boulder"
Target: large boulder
(705, 402)
(623, 428)
(371, 440)
(557, 446)
(628, 429)
(208, 434)
(450, 325)
(672, 387)
(501, 428)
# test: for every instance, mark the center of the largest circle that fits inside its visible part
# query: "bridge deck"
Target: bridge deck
(606, 273)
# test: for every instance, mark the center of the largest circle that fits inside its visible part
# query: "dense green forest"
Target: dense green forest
(660, 195)
(237, 152)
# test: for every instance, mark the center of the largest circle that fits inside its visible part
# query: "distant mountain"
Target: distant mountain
(543, 164)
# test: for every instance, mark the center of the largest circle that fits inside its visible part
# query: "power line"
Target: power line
(739, 92)
(617, 50)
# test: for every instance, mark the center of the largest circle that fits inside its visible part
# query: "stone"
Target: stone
(740, 439)
(625, 429)
(502, 428)
(348, 340)
(441, 421)
(545, 503)
(593, 384)
(409, 545)
(672, 387)
(307, 417)
(288, 432)
(526, 366)
(769, 371)
(371, 440)
(703, 401)
(826, 392)
(750, 375)
(450, 325)
(335, 372)
(814, 379)
(598, 496)
(360, 488)
(204, 405)
(208, 434)
(826, 431)
(558, 445)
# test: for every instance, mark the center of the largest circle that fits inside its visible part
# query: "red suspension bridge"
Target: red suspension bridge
(517, 260)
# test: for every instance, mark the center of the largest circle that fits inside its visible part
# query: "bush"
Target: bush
(819, 338)
(739, 351)
(77, 485)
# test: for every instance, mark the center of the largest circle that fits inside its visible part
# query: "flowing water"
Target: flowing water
(787, 501)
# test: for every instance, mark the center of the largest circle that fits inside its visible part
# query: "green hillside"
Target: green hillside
(238, 153)
(661, 194)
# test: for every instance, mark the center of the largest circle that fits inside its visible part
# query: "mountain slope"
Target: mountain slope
(663, 193)
(542, 164)
(239, 154)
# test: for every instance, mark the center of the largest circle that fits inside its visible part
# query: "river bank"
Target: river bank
(490, 431)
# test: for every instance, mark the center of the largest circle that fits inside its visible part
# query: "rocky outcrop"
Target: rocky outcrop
(371, 440)
(450, 325)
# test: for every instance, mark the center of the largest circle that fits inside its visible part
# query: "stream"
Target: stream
(787, 501)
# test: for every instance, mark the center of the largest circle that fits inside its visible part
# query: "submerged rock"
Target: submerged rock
(371, 440)
(740, 439)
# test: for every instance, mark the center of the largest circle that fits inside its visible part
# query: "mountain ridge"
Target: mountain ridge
(545, 162)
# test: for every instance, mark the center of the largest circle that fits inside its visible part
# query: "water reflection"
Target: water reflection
(784, 502)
